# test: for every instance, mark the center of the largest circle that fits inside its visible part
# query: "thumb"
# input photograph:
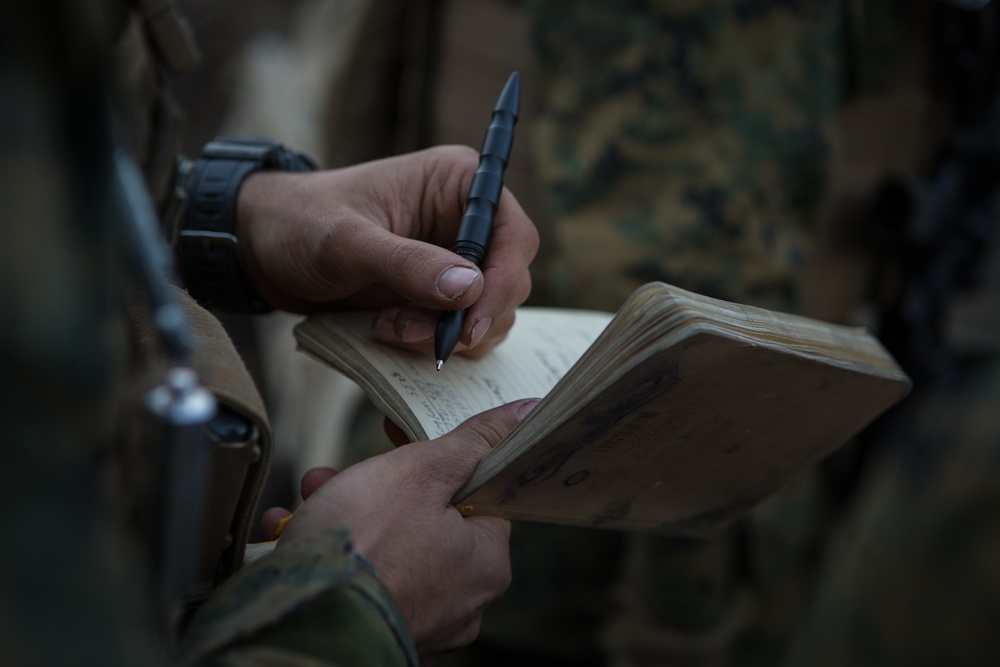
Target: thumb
(462, 449)
(421, 272)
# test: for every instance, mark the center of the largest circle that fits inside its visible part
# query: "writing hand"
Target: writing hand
(378, 235)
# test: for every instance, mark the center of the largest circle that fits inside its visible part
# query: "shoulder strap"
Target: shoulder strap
(239, 465)
(171, 35)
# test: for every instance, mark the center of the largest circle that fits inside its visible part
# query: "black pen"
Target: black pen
(484, 195)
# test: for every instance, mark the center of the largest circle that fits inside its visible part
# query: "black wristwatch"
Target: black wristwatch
(207, 239)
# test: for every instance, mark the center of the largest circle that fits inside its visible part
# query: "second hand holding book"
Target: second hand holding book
(676, 415)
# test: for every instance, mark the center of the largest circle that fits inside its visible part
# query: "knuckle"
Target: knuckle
(405, 260)
(452, 155)
(504, 577)
(468, 632)
(332, 256)
(443, 470)
(339, 237)
(532, 238)
(458, 153)
(448, 463)
(523, 290)
(490, 428)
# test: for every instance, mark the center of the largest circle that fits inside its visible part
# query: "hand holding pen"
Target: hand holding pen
(379, 236)
(481, 205)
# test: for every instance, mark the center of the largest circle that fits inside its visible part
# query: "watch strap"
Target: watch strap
(208, 243)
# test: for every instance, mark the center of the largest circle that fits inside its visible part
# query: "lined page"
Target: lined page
(543, 344)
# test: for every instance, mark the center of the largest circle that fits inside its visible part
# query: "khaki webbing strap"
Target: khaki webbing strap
(223, 372)
(171, 36)
(220, 370)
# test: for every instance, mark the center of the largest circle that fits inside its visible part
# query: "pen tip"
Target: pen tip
(440, 363)
(510, 97)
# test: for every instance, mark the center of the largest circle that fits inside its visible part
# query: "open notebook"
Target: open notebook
(675, 415)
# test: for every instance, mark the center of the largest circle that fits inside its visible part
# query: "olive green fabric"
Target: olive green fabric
(687, 142)
(81, 498)
(313, 599)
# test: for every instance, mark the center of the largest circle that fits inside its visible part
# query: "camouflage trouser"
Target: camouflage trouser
(734, 600)
(590, 597)
(914, 575)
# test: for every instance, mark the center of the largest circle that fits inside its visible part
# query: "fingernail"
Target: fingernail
(455, 280)
(479, 330)
(384, 328)
(526, 407)
(416, 331)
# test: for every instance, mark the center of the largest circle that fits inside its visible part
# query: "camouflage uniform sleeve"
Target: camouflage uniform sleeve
(314, 601)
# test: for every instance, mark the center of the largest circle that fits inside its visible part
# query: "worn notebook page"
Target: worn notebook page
(543, 344)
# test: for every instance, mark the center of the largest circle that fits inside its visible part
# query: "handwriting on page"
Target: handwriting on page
(541, 347)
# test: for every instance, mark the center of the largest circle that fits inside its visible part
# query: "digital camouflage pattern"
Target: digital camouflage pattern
(687, 142)
(691, 142)
(76, 582)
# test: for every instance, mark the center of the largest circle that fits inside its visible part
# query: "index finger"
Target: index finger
(506, 278)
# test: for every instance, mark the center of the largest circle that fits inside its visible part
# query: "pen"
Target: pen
(484, 195)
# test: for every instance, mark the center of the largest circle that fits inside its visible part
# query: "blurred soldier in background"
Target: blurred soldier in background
(695, 144)
(698, 145)
(689, 143)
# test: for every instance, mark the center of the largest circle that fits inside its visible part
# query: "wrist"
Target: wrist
(209, 242)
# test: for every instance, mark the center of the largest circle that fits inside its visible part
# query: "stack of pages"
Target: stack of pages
(675, 415)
